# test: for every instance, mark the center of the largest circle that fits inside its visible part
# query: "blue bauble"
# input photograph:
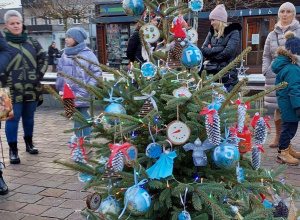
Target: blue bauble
(184, 215)
(109, 206)
(114, 108)
(138, 200)
(191, 56)
(226, 156)
(133, 7)
(148, 69)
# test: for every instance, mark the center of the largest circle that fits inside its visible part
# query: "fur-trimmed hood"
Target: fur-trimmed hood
(228, 29)
(293, 57)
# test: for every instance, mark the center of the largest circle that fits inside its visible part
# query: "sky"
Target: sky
(14, 3)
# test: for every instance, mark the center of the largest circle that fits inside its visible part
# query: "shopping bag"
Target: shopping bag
(6, 107)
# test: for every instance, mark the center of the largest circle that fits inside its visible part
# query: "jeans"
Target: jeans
(86, 131)
(288, 131)
(26, 111)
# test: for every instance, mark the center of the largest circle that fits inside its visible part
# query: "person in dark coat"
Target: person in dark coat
(22, 76)
(134, 47)
(221, 45)
(286, 66)
(52, 54)
(5, 55)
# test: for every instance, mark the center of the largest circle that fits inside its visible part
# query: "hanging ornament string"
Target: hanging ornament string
(177, 112)
(148, 96)
(121, 131)
(113, 99)
(184, 200)
(149, 127)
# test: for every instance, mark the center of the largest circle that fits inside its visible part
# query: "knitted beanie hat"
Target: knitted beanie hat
(78, 34)
(288, 5)
(219, 13)
(292, 43)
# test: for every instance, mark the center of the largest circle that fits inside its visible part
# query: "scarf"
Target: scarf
(74, 50)
(16, 39)
(284, 28)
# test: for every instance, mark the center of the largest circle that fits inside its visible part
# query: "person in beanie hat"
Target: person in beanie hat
(221, 45)
(75, 45)
(286, 22)
(286, 66)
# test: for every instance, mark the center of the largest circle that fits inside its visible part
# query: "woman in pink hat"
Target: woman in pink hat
(221, 45)
(286, 22)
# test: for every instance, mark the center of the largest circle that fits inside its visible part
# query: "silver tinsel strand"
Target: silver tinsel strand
(260, 135)
(234, 140)
(118, 162)
(213, 130)
(77, 155)
(242, 109)
(256, 156)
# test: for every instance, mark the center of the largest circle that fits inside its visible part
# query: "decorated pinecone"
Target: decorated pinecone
(281, 210)
(213, 130)
(242, 109)
(256, 157)
(77, 155)
(178, 48)
(109, 173)
(69, 106)
(118, 162)
(233, 139)
(260, 135)
(146, 108)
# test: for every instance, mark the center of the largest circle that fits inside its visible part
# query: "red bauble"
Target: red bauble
(244, 145)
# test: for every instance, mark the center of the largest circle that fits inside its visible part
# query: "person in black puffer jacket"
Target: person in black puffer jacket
(221, 45)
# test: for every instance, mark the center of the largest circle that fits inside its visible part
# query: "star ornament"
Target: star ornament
(242, 70)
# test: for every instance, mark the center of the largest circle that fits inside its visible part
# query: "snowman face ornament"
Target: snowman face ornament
(178, 132)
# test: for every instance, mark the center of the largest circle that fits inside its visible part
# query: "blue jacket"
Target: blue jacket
(5, 53)
(286, 69)
(71, 68)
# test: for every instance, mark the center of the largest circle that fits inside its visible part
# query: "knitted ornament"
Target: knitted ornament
(242, 109)
(179, 41)
(260, 135)
(256, 157)
(78, 153)
(212, 125)
(68, 101)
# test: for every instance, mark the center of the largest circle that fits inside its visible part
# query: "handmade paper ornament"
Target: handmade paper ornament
(153, 150)
(178, 132)
(78, 152)
(116, 159)
(163, 167)
(226, 156)
(256, 156)
(217, 102)
(191, 56)
(132, 152)
(212, 125)
(192, 35)
(239, 173)
(182, 92)
(199, 155)
(68, 101)
(133, 7)
(149, 103)
(242, 110)
(148, 69)
(151, 33)
(196, 5)
(109, 206)
(178, 20)
(245, 144)
(179, 37)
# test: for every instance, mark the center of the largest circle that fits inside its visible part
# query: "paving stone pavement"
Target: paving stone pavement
(42, 190)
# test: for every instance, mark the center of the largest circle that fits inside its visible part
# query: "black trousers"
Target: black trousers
(288, 131)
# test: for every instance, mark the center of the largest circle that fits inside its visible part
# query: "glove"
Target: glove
(297, 110)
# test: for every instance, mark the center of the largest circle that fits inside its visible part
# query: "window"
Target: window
(60, 21)
(62, 43)
(33, 21)
(76, 20)
(47, 21)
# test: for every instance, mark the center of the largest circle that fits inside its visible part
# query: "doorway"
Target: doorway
(255, 32)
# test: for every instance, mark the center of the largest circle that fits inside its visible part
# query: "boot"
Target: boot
(284, 157)
(29, 145)
(292, 152)
(13, 153)
(278, 124)
(3, 186)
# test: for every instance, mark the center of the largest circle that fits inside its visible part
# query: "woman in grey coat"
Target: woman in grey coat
(286, 22)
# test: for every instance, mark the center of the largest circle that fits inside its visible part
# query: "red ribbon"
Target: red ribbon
(80, 144)
(238, 102)
(209, 114)
(254, 119)
(267, 118)
(234, 131)
(263, 197)
(115, 148)
(260, 147)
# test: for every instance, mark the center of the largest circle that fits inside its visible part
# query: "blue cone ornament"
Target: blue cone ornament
(191, 56)
(109, 206)
(114, 108)
(226, 156)
(133, 7)
(137, 200)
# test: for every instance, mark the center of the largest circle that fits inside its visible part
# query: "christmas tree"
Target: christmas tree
(177, 142)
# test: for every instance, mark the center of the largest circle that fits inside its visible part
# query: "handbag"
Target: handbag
(55, 60)
(6, 107)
